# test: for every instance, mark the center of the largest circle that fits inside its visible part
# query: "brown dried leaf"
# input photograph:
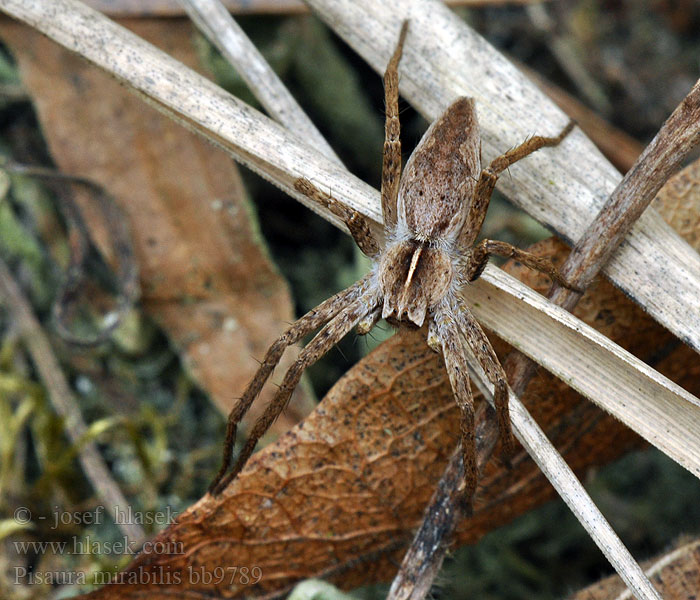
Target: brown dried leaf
(676, 575)
(679, 203)
(340, 494)
(204, 275)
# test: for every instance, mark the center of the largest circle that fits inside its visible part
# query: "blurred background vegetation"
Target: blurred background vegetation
(630, 62)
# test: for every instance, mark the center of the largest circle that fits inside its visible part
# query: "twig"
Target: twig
(662, 157)
(676, 138)
(63, 401)
(562, 478)
(423, 559)
(214, 20)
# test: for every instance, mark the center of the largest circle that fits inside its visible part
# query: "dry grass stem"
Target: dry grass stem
(212, 18)
(571, 491)
(64, 403)
(662, 158)
(172, 8)
(423, 559)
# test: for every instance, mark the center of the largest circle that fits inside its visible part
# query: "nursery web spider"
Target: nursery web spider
(432, 216)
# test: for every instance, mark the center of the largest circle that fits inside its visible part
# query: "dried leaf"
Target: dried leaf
(676, 575)
(205, 275)
(678, 203)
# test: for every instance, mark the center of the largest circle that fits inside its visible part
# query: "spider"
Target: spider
(432, 216)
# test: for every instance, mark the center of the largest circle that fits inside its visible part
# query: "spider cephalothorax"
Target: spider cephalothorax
(432, 216)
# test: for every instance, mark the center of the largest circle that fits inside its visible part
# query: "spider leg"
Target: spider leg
(356, 222)
(480, 255)
(369, 321)
(322, 342)
(311, 321)
(485, 354)
(489, 177)
(443, 329)
(391, 157)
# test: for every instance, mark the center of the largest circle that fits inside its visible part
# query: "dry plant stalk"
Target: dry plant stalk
(63, 401)
(214, 20)
(661, 158)
(173, 8)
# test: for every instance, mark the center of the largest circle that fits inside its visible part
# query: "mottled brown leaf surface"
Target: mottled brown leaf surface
(676, 575)
(679, 203)
(205, 276)
(340, 494)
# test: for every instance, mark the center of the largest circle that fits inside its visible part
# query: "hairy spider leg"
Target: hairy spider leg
(480, 255)
(443, 336)
(482, 349)
(489, 176)
(391, 157)
(311, 321)
(355, 222)
(322, 342)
